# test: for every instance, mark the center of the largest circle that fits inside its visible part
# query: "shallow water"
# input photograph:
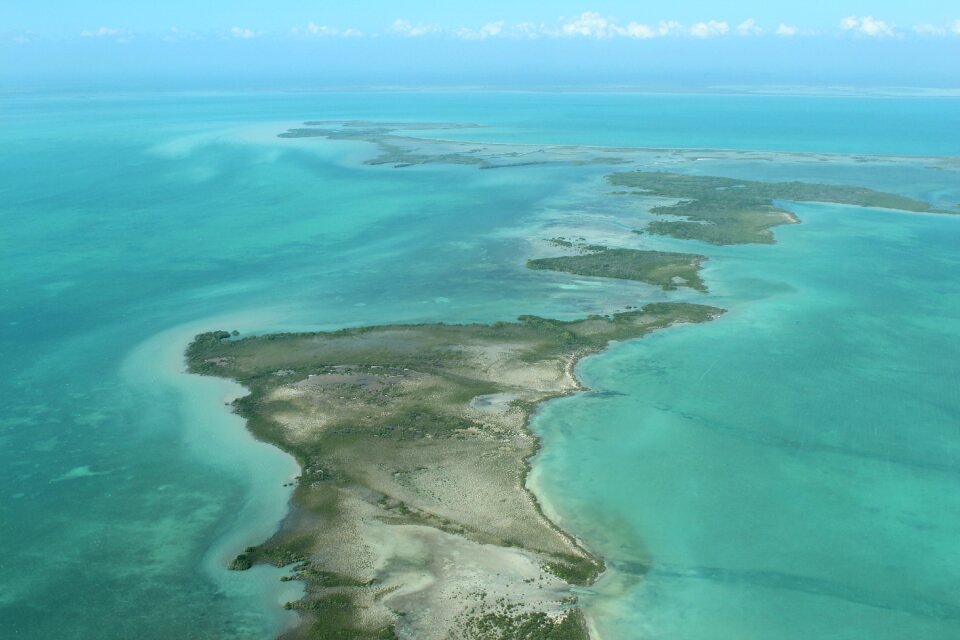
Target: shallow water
(792, 469)
(131, 222)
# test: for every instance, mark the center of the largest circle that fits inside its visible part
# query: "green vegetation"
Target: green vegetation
(730, 211)
(333, 617)
(661, 268)
(381, 417)
(527, 626)
(395, 150)
(389, 425)
(256, 361)
(406, 151)
(713, 209)
(573, 569)
(290, 551)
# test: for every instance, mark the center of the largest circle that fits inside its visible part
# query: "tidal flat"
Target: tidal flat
(411, 516)
(716, 210)
(410, 144)
(168, 212)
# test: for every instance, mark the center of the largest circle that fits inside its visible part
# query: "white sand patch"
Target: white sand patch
(300, 427)
(80, 472)
(286, 393)
(436, 578)
(499, 361)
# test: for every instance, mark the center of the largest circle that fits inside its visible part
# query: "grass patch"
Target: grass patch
(373, 413)
(729, 211)
(577, 570)
(334, 618)
(527, 626)
(664, 269)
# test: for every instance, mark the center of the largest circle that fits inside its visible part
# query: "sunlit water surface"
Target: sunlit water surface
(788, 471)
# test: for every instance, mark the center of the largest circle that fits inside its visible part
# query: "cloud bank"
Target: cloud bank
(587, 25)
(868, 26)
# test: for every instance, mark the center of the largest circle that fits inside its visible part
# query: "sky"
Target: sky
(496, 42)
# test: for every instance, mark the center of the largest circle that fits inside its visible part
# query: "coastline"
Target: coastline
(194, 226)
(748, 214)
(532, 481)
(220, 438)
(366, 569)
(399, 146)
(651, 437)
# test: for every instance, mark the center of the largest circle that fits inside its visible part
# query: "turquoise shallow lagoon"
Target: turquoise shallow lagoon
(788, 471)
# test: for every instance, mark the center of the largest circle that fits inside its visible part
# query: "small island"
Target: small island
(411, 515)
(665, 269)
(728, 211)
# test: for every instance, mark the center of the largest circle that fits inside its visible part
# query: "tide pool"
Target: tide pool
(133, 222)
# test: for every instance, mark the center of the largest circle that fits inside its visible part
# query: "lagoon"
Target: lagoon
(134, 221)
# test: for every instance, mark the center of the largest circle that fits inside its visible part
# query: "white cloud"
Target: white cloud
(594, 25)
(868, 26)
(102, 32)
(955, 27)
(670, 28)
(176, 34)
(121, 36)
(315, 29)
(929, 30)
(590, 24)
(872, 27)
(492, 29)
(489, 30)
(639, 31)
(405, 28)
(749, 28)
(709, 29)
(243, 33)
(528, 30)
(323, 31)
(786, 30)
(849, 23)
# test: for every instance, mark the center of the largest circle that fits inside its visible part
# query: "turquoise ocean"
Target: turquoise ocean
(790, 471)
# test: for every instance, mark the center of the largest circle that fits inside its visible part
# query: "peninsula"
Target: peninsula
(411, 517)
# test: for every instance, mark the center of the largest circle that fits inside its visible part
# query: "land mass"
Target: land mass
(407, 151)
(411, 518)
(665, 269)
(730, 211)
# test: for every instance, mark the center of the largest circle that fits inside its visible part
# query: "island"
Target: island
(411, 516)
(729, 211)
(666, 269)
